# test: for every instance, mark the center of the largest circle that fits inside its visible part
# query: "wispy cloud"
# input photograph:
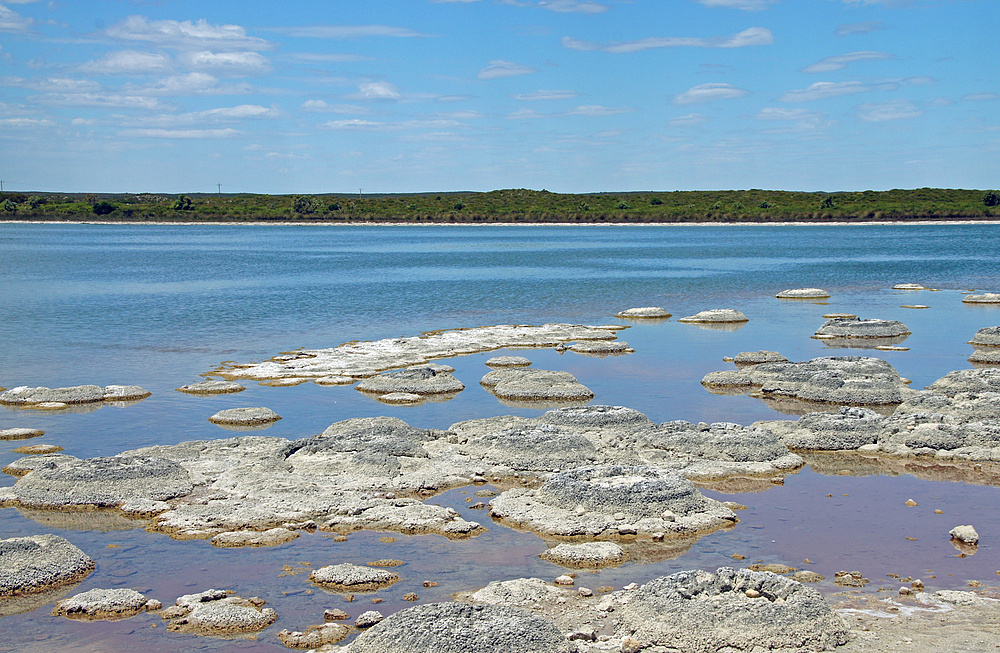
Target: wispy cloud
(591, 111)
(709, 93)
(889, 111)
(746, 5)
(319, 106)
(689, 120)
(866, 27)
(129, 62)
(981, 97)
(561, 6)
(25, 123)
(350, 31)
(799, 119)
(827, 90)
(500, 68)
(199, 35)
(11, 21)
(748, 37)
(840, 61)
(228, 132)
(376, 91)
(227, 63)
(546, 95)
(190, 84)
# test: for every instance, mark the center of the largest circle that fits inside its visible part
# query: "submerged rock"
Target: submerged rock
(102, 604)
(842, 327)
(37, 563)
(803, 293)
(716, 316)
(217, 613)
(418, 380)
(644, 312)
(508, 361)
(20, 433)
(270, 537)
(746, 358)
(461, 628)
(587, 554)
(704, 612)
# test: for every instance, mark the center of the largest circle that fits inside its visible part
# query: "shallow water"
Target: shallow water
(158, 305)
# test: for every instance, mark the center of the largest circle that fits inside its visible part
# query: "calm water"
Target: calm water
(159, 305)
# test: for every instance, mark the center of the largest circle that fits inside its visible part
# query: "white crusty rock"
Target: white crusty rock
(365, 359)
(803, 293)
(314, 636)
(254, 416)
(965, 534)
(986, 337)
(842, 327)
(508, 361)
(985, 298)
(990, 356)
(746, 358)
(211, 387)
(461, 628)
(125, 393)
(102, 604)
(20, 433)
(418, 380)
(531, 384)
(270, 537)
(586, 554)
(733, 610)
(967, 381)
(615, 500)
(217, 613)
(401, 398)
(353, 578)
(908, 286)
(37, 563)
(601, 347)
(716, 316)
(107, 482)
(644, 312)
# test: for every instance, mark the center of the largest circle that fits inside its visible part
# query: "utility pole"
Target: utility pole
(1, 186)
(359, 193)
(220, 187)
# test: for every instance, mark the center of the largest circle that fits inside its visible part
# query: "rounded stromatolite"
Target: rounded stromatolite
(211, 387)
(644, 313)
(40, 562)
(352, 578)
(858, 328)
(254, 416)
(716, 316)
(418, 380)
(535, 385)
(102, 604)
(803, 293)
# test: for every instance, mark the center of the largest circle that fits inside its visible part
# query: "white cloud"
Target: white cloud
(129, 62)
(319, 106)
(803, 119)
(500, 68)
(840, 61)
(376, 91)
(546, 95)
(827, 90)
(590, 111)
(227, 63)
(11, 21)
(454, 98)
(746, 5)
(689, 120)
(981, 97)
(25, 123)
(319, 57)
(561, 6)
(889, 111)
(191, 84)
(748, 37)
(180, 133)
(866, 27)
(350, 31)
(199, 35)
(106, 100)
(709, 93)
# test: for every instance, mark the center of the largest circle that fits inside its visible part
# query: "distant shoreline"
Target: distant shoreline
(383, 223)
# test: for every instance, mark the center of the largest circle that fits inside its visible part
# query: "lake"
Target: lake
(160, 305)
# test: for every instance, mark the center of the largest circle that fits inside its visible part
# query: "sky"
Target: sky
(383, 96)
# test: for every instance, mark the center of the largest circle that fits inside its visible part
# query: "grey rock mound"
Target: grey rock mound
(217, 613)
(347, 577)
(612, 500)
(716, 316)
(535, 385)
(842, 327)
(985, 298)
(508, 361)
(102, 482)
(596, 417)
(803, 293)
(125, 393)
(908, 286)
(40, 562)
(419, 380)
(601, 347)
(270, 537)
(20, 433)
(254, 416)
(704, 612)
(850, 429)
(401, 398)
(987, 337)
(959, 381)
(387, 436)
(541, 447)
(746, 358)
(102, 604)
(26, 396)
(644, 312)
(989, 356)
(587, 554)
(461, 628)
(211, 387)
(30, 463)
(314, 636)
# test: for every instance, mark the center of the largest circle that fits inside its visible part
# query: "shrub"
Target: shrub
(622, 205)
(183, 203)
(103, 207)
(991, 199)
(656, 201)
(305, 204)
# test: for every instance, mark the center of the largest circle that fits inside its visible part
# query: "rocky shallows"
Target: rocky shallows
(218, 613)
(859, 333)
(104, 605)
(534, 385)
(428, 379)
(716, 316)
(358, 360)
(803, 293)
(56, 398)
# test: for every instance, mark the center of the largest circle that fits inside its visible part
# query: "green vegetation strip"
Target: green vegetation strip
(511, 206)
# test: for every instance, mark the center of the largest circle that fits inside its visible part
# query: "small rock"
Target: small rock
(911, 503)
(244, 417)
(564, 580)
(368, 619)
(20, 434)
(752, 594)
(644, 312)
(631, 645)
(411, 597)
(966, 534)
(585, 591)
(335, 615)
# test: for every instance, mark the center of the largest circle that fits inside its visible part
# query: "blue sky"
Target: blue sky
(439, 95)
